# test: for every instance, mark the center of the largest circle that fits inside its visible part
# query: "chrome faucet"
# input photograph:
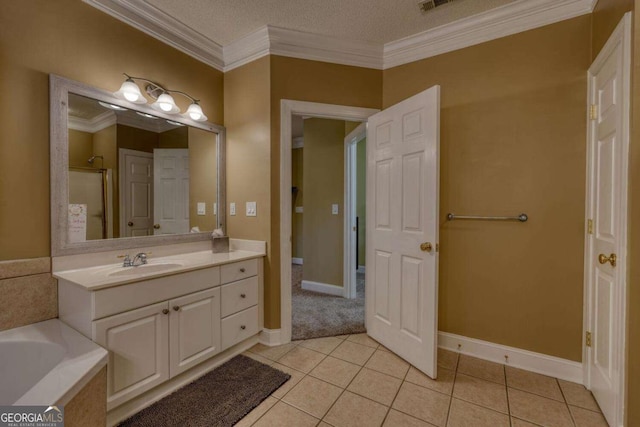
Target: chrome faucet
(140, 256)
(128, 262)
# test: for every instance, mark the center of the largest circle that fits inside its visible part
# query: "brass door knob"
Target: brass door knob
(426, 247)
(603, 259)
(130, 224)
(156, 226)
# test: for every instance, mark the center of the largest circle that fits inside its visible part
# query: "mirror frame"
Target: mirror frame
(59, 89)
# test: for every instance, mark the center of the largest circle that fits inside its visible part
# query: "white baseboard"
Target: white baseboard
(361, 269)
(536, 362)
(271, 337)
(322, 288)
(297, 261)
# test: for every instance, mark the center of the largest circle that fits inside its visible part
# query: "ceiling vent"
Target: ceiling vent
(427, 5)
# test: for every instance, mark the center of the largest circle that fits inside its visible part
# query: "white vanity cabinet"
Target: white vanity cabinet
(159, 328)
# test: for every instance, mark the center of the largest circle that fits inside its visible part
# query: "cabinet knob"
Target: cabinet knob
(130, 223)
(176, 308)
(243, 295)
(165, 311)
(242, 270)
(243, 327)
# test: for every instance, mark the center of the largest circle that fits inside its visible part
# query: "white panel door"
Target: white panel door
(137, 187)
(171, 190)
(606, 236)
(138, 344)
(194, 329)
(402, 228)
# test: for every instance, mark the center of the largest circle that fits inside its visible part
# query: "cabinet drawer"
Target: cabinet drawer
(239, 295)
(238, 270)
(239, 326)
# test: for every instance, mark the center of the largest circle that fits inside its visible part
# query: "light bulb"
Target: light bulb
(165, 103)
(130, 91)
(195, 112)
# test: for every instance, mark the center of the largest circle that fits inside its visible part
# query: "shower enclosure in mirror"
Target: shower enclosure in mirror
(124, 175)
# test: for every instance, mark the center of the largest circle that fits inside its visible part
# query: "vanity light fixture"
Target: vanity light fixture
(148, 116)
(165, 103)
(112, 106)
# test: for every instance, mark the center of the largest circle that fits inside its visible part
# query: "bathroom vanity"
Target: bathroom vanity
(163, 318)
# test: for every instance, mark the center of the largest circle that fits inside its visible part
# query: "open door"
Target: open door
(403, 162)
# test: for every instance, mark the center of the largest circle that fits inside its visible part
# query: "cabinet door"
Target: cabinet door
(138, 351)
(194, 329)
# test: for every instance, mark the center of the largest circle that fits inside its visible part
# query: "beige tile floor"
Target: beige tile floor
(353, 381)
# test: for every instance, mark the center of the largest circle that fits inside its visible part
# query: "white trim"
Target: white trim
(621, 37)
(528, 360)
(323, 288)
(159, 25)
(361, 269)
(503, 21)
(287, 109)
(350, 192)
(298, 142)
(271, 337)
(297, 261)
(99, 122)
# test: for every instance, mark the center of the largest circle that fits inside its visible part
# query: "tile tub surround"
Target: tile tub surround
(29, 293)
(331, 387)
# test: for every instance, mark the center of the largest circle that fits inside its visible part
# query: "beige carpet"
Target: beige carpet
(318, 315)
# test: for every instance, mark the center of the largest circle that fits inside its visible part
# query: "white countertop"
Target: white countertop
(106, 276)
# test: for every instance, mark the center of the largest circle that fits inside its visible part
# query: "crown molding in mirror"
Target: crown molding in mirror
(512, 18)
(59, 89)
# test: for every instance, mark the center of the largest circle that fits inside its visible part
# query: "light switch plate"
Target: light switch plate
(232, 208)
(251, 209)
(334, 209)
(299, 209)
(202, 208)
(215, 208)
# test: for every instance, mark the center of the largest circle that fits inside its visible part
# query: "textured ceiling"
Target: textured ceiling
(380, 21)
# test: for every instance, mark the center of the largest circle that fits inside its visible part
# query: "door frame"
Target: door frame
(620, 36)
(289, 108)
(350, 198)
(122, 152)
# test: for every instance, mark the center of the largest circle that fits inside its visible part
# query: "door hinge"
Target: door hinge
(593, 112)
(588, 339)
(589, 226)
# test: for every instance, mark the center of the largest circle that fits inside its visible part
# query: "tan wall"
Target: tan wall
(174, 138)
(361, 199)
(297, 219)
(324, 186)
(80, 148)
(302, 80)
(605, 17)
(74, 40)
(512, 140)
(203, 182)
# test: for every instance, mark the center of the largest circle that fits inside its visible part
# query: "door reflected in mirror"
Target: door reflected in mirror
(132, 174)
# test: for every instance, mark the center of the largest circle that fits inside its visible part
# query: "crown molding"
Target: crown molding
(152, 21)
(493, 24)
(102, 121)
(516, 17)
(270, 40)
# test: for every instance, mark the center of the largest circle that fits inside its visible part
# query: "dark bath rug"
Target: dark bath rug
(218, 399)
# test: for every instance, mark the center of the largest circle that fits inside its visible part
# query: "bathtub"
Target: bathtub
(46, 363)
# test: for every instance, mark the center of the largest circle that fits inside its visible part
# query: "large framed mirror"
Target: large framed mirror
(124, 175)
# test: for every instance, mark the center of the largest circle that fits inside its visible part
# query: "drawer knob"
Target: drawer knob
(243, 295)
(243, 327)
(242, 270)
(176, 308)
(165, 311)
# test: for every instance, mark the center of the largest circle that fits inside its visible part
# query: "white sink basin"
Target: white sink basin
(144, 269)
